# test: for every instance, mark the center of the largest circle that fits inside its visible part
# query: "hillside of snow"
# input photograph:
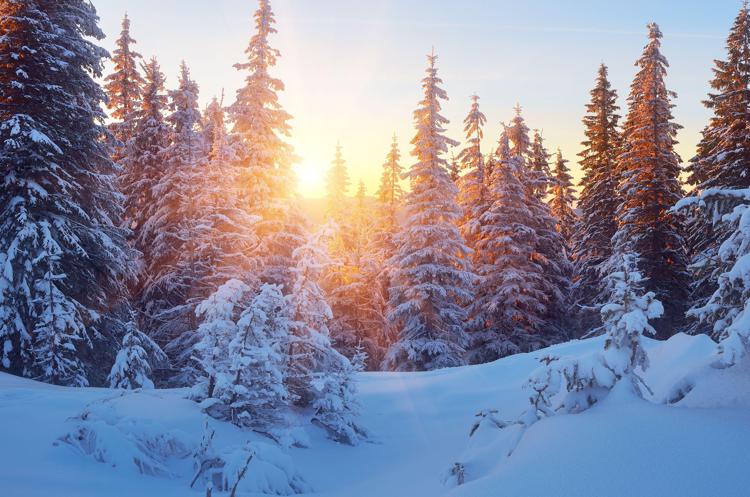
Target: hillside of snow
(94, 442)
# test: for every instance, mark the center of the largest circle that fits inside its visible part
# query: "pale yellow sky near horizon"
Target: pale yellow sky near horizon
(352, 70)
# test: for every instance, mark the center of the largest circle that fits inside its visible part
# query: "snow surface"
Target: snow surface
(419, 424)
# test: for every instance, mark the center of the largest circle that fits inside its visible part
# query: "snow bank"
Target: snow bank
(419, 425)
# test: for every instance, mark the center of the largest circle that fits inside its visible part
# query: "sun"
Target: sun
(310, 179)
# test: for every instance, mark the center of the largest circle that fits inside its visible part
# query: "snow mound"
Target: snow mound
(158, 434)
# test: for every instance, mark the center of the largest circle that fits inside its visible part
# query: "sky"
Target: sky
(352, 69)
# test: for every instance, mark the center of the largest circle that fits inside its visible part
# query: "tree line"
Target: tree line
(167, 247)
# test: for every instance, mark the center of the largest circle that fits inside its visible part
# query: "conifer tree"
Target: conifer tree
(508, 312)
(722, 158)
(473, 194)
(261, 126)
(599, 198)
(432, 275)
(168, 296)
(218, 314)
(383, 244)
(63, 257)
(550, 250)
(222, 231)
(358, 305)
(337, 186)
(143, 164)
(318, 376)
(563, 198)
(218, 235)
(135, 360)
(650, 187)
(725, 312)
(124, 87)
(539, 168)
(255, 390)
(343, 274)
(389, 197)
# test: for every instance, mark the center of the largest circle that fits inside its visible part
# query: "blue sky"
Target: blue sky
(352, 68)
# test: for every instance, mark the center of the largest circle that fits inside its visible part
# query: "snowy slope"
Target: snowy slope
(419, 426)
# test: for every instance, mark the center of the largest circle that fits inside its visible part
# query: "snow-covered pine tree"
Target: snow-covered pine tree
(352, 283)
(343, 275)
(218, 314)
(213, 114)
(218, 235)
(337, 188)
(539, 168)
(255, 391)
(124, 87)
(588, 380)
(650, 186)
(727, 310)
(550, 249)
(319, 377)
(473, 196)
(135, 361)
(261, 125)
(63, 256)
(168, 298)
(563, 198)
(222, 232)
(142, 166)
(389, 204)
(432, 274)
(389, 201)
(722, 159)
(592, 239)
(508, 313)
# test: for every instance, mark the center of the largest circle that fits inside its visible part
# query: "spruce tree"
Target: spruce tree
(473, 196)
(337, 186)
(318, 376)
(389, 200)
(563, 198)
(550, 249)
(222, 231)
(383, 244)
(352, 290)
(432, 274)
(342, 275)
(124, 87)
(63, 256)
(599, 199)
(722, 159)
(168, 296)
(724, 314)
(142, 167)
(254, 391)
(261, 126)
(650, 186)
(539, 168)
(136, 360)
(508, 312)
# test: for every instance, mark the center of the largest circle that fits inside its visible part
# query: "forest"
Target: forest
(150, 243)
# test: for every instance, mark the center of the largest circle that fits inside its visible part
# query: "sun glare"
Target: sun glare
(310, 178)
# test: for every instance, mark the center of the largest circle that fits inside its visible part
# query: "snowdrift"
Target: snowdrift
(93, 442)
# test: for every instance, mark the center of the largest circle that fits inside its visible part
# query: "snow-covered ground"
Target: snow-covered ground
(419, 424)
